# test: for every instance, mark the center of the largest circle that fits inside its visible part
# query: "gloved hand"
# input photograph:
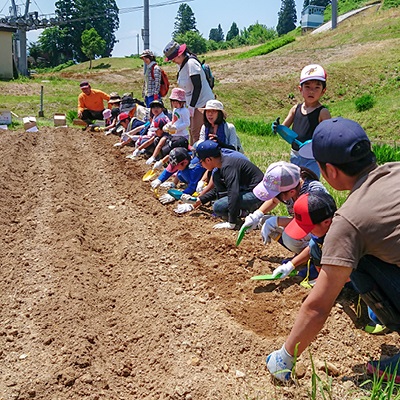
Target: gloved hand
(168, 185)
(271, 230)
(200, 186)
(224, 225)
(150, 160)
(136, 153)
(166, 198)
(187, 198)
(118, 144)
(275, 125)
(166, 127)
(280, 364)
(183, 208)
(157, 164)
(284, 269)
(252, 220)
(155, 184)
(191, 111)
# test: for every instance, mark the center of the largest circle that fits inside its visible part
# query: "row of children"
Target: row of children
(218, 171)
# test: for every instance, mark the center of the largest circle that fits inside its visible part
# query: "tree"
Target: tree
(184, 21)
(258, 33)
(216, 34)
(102, 15)
(233, 32)
(92, 44)
(52, 42)
(287, 17)
(194, 41)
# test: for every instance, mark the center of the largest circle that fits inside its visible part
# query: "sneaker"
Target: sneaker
(376, 329)
(386, 368)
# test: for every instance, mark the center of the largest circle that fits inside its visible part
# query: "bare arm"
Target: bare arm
(290, 117)
(268, 205)
(316, 308)
(324, 114)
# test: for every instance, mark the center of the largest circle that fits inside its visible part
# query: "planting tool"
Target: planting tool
(149, 175)
(241, 234)
(177, 194)
(305, 149)
(270, 277)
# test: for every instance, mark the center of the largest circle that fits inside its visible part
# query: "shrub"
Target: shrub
(364, 102)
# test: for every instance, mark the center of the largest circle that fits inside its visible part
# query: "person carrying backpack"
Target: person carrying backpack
(192, 79)
(152, 78)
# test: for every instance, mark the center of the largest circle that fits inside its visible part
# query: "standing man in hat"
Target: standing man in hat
(192, 79)
(91, 103)
(152, 77)
(362, 243)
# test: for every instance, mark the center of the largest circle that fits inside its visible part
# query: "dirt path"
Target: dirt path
(106, 294)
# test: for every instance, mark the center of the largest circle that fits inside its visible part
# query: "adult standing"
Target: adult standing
(152, 77)
(192, 79)
(362, 242)
(91, 103)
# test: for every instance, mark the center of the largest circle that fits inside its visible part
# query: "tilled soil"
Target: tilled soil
(107, 294)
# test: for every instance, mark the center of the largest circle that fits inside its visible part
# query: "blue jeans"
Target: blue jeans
(248, 201)
(373, 274)
(149, 99)
(309, 163)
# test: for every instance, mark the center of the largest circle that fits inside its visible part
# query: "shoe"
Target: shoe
(386, 368)
(376, 329)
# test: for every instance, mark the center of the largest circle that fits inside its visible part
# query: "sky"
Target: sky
(208, 14)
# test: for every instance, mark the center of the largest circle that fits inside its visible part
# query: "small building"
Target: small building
(311, 18)
(6, 51)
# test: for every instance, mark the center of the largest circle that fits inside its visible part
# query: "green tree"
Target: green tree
(51, 44)
(81, 15)
(258, 33)
(184, 21)
(216, 34)
(287, 17)
(92, 44)
(233, 32)
(195, 42)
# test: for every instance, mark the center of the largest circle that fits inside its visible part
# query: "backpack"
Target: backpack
(164, 84)
(209, 75)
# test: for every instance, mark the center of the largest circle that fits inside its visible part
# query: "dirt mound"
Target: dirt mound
(107, 294)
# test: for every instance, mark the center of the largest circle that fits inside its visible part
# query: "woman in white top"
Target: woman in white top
(192, 79)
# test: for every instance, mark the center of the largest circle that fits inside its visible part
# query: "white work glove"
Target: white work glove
(135, 153)
(280, 364)
(183, 208)
(118, 144)
(252, 220)
(166, 127)
(157, 164)
(271, 230)
(284, 269)
(155, 184)
(168, 185)
(200, 186)
(224, 225)
(191, 111)
(166, 198)
(187, 198)
(150, 160)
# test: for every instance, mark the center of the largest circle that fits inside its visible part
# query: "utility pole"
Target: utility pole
(334, 14)
(20, 46)
(146, 25)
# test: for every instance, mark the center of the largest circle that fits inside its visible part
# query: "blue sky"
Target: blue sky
(208, 14)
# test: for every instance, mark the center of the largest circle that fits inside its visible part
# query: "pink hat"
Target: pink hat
(107, 113)
(279, 177)
(173, 50)
(178, 94)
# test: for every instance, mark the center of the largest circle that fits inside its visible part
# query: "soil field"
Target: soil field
(107, 294)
